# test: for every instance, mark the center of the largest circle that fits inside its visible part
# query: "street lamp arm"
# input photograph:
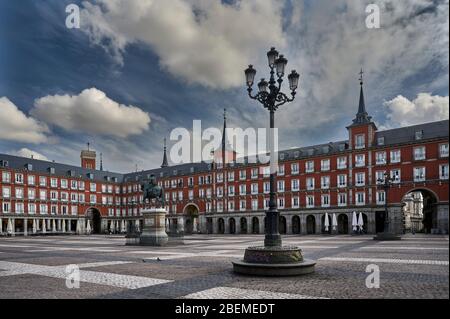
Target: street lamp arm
(282, 98)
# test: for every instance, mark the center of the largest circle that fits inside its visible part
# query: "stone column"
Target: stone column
(288, 224)
(25, 227)
(249, 225)
(180, 224)
(261, 225)
(59, 225)
(14, 227)
(442, 218)
(203, 225)
(215, 225)
(303, 228)
(238, 225)
(227, 225)
(318, 223)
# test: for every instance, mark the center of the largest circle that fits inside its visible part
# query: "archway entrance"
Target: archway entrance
(191, 215)
(93, 214)
(243, 225)
(310, 225)
(420, 211)
(209, 225)
(379, 221)
(296, 225)
(282, 225)
(342, 224)
(255, 225)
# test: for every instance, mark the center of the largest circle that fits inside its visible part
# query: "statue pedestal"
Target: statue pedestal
(154, 230)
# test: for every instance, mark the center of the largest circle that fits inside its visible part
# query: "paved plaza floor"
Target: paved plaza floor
(36, 267)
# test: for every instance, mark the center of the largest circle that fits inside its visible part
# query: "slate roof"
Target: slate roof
(402, 135)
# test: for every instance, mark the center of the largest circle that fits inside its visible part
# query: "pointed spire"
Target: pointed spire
(164, 163)
(101, 161)
(362, 117)
(224, 130)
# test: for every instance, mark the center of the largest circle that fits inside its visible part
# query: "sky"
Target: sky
(137, 69)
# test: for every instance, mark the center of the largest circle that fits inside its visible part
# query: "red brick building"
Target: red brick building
(335, 178)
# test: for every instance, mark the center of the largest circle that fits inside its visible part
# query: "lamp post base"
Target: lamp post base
(386, 237)
(274, 261)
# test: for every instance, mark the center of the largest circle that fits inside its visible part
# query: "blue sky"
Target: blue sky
(179, 60)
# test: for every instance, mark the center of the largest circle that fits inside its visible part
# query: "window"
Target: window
(295, 185)
(380, 158)
(443, 171)
(6, 192)
(266, 171)
(64, 210)
(64, 196)
(280, 170)
(19, 208)
(242, 189)
(19, 193)
(379, 176)
(309, 166)
(54, 182)
(93, 199)
(325, 199)
(242, 205)
(360, 198)
(395, 175)
(342, 180)
(31, 193)
(231, 176)
(419, 174)
(43, 194)
(6, 177)
(73, 197)
(19, 178)
(254, 188)
(31, 179)
(342, 199)
(6, 207)
(280, 186)
(325, 182)
(42, 181)
(325, 165)
(309, 201)
(360, 141)
(360, 160)
(31, 208)
(230, 206)
(81, 198)
(73, 184)
(54, 195)
(43, 209)
(254, 204)
(280, 202)
(380, 141)
(310, 183)
(419, 135)
(381, 197)
(419, 153)
(230, 190)
(266, 187)
(219, 191)
(395, 156)
(81, 185)
(74, 210)
(360, 179)
(295, 202)
(93, 187)
(443, 150)
(254, 173)
(64, 183)
(53, 210)
(342, 162)
(294, 168)
(242, 175)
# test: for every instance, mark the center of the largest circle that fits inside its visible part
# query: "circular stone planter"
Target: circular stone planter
(274, 261)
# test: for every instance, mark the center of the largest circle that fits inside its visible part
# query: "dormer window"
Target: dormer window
(419, 135)
(29, 167)
(325, 149)
(4, 163)
(90, 175)
(51, 170)
(380, 141)
(71, 173)
(281, 156)
(114, 179)
(192, 169)
(296, 154)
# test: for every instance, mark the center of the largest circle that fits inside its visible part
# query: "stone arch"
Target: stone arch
(232, 225)
(342, 226)
(191, 213)
(244, 226)
(255, 225)
(95, 217)
(221, 226)
(295, 224)
(310, 224)
(282, 225)
(419, 212)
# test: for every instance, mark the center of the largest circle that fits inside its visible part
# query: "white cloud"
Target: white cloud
(91, 112)
(25, 152)
(424, 108)
(18, 127)
(200, 41)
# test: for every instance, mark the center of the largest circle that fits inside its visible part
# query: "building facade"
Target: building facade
(336, 178)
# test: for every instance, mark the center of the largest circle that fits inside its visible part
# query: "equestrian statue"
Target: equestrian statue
(153, 191)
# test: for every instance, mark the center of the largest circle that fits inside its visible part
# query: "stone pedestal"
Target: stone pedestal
(154, 230)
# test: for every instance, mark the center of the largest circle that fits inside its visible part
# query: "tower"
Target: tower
(225, 154)
(88, 158)
(164, 162)
(362, 130)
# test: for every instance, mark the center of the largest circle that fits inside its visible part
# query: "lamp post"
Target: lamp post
(270, 96)
(273, 259)
(386, 234)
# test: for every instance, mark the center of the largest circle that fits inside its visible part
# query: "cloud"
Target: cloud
(199, 41)
(91, 112)
(25, 152)
(424, 108)
(18, 127)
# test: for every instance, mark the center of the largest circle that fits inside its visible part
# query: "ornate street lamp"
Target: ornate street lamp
(387, 234)
(273, 258)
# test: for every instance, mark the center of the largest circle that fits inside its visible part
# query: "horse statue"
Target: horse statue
(153, 191)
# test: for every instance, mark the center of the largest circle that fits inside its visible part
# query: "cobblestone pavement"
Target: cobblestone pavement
(36, 267)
